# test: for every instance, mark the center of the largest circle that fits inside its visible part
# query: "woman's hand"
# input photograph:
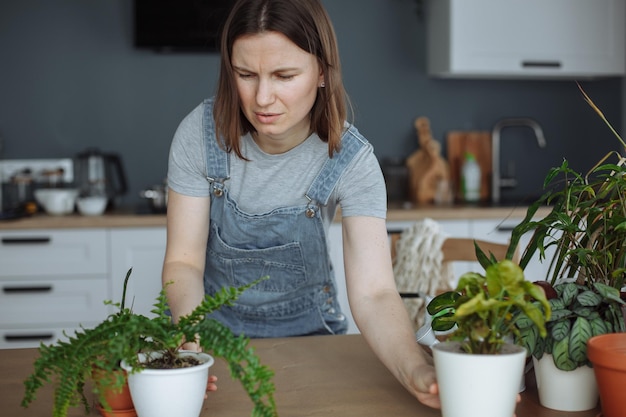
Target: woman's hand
(425, 386)
(211, 383)
(210, 386)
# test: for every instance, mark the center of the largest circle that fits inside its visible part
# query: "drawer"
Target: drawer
(32, 337)
(53, 252)
(59, 301)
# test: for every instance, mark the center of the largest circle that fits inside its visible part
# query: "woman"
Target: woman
(255, 177)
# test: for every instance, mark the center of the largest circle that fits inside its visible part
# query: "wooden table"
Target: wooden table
(315, 376)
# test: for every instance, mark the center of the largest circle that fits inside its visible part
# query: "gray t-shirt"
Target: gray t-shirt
(267, 182)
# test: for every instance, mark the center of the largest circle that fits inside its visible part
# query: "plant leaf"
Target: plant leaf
(570, 291)
(589, 299)
(529, 338)
(580, 334)
(560, 354)
(608, 292)
(599, 326)
(442, 301)
(560, 329)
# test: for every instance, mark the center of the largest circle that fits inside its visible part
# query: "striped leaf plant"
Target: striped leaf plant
(578, 312)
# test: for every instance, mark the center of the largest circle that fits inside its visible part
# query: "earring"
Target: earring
(323, 84)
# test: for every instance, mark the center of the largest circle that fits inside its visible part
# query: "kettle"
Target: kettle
(100, 174)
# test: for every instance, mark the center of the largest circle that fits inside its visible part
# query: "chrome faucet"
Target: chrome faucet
(497, 181)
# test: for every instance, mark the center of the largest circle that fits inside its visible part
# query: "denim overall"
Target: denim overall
(287, 244)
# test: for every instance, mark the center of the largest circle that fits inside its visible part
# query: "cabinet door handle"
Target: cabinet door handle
(541, 64)
(27, 337)
(505, 228)
(27, 290)
(26, 240)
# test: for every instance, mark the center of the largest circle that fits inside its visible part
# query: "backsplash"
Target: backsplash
(86, 85)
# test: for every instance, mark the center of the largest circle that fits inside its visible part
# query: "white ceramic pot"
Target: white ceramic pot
(170, 392)
(478, 385)
(575, 390)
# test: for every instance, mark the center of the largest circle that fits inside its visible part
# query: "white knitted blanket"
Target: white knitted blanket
(419, 266)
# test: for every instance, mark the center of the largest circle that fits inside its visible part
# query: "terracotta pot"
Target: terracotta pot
(120, 402)
(607, 352)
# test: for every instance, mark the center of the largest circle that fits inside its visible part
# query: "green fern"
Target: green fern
(68, 364)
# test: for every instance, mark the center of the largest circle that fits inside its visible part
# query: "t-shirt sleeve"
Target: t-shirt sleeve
(361, 191)
(186, 172)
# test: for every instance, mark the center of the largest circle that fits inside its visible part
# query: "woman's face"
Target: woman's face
(277, 84)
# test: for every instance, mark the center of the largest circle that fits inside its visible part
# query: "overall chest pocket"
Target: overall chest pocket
(284, 264)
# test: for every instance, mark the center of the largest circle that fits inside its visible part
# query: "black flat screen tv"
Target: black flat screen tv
(179, 25)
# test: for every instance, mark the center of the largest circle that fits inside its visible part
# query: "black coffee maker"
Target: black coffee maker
(100, 174)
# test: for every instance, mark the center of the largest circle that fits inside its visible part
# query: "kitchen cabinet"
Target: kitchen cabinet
(526, 39)
(52, 280)
(143, 250)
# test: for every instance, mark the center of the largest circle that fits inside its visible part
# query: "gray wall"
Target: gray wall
(70, 79)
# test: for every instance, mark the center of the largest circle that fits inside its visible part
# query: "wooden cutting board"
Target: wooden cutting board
(477, 143)
(426, 166)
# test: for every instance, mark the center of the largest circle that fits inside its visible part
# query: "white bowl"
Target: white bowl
(91, 206)
(57, 201)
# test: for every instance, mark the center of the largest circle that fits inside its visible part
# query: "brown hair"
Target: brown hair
(306, 24)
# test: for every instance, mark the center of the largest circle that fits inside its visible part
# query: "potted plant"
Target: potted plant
(126, 337)
(586, 229)
(565, 378)
(485, 310)
(608, 356)
(587, 222)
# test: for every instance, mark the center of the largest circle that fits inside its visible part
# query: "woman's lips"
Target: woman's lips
(267, 118)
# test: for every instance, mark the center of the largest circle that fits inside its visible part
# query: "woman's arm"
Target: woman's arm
(378, 310)
(183, 266)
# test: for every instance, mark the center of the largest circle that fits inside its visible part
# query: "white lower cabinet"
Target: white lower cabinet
(143, 250)
(51, 280)
(43, 252)
(54, 281)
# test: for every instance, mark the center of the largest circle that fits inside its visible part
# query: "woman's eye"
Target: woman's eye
(244, 76)
(285, 77)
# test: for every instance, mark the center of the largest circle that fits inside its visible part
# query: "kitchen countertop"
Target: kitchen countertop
(76, 221)
(458, 212)
(314, 376)
(128, 219)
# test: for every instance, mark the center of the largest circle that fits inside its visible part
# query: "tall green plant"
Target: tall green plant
(587, 222)
(122, 335)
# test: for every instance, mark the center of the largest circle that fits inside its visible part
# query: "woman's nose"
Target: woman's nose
(265, 92)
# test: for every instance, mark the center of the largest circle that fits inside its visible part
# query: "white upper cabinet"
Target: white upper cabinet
(511, 39)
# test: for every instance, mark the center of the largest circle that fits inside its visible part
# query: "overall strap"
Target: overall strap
(217, 159)
(326, 180)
